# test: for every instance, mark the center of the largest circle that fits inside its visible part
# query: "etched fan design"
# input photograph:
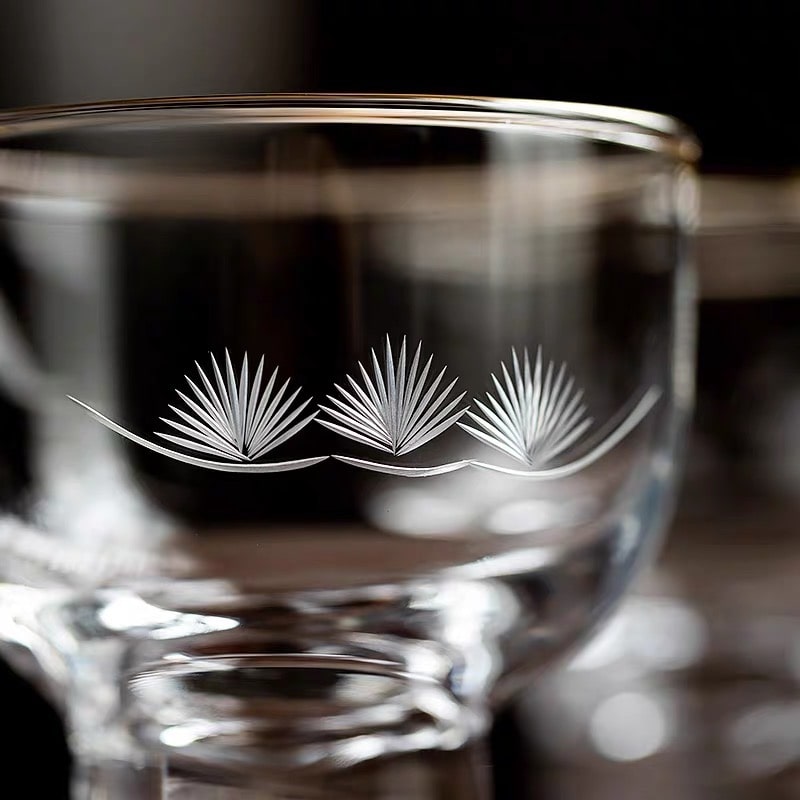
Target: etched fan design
(396, 409)
(232, 419)
(239, 421)
(534, 415)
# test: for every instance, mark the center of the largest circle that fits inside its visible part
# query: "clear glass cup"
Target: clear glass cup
(327, 421)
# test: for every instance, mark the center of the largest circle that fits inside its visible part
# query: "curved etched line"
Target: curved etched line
(219, 466)
(403, 472)
(639, 412)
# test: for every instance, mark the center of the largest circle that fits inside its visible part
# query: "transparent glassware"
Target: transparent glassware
(327, 421)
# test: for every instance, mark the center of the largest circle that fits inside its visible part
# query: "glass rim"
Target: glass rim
(636, 128)
(92, 184)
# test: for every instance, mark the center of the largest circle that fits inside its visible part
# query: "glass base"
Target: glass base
(430, 775)
(172, 704)
(280, 713)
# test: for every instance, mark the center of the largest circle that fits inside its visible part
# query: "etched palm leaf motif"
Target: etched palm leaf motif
(232, 418)
(533, 415)
(237, 420)
(395, 409)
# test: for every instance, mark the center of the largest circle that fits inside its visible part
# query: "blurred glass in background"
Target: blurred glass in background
(693, 690)
(79, 51)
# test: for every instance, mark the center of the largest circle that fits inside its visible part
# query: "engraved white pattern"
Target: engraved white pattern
(629, 423)
(403, 471)
(252, 468)
(236, 420)
(535, 416)
(393, 410)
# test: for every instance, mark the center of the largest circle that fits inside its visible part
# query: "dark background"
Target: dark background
(725, 71)
(730, 71)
